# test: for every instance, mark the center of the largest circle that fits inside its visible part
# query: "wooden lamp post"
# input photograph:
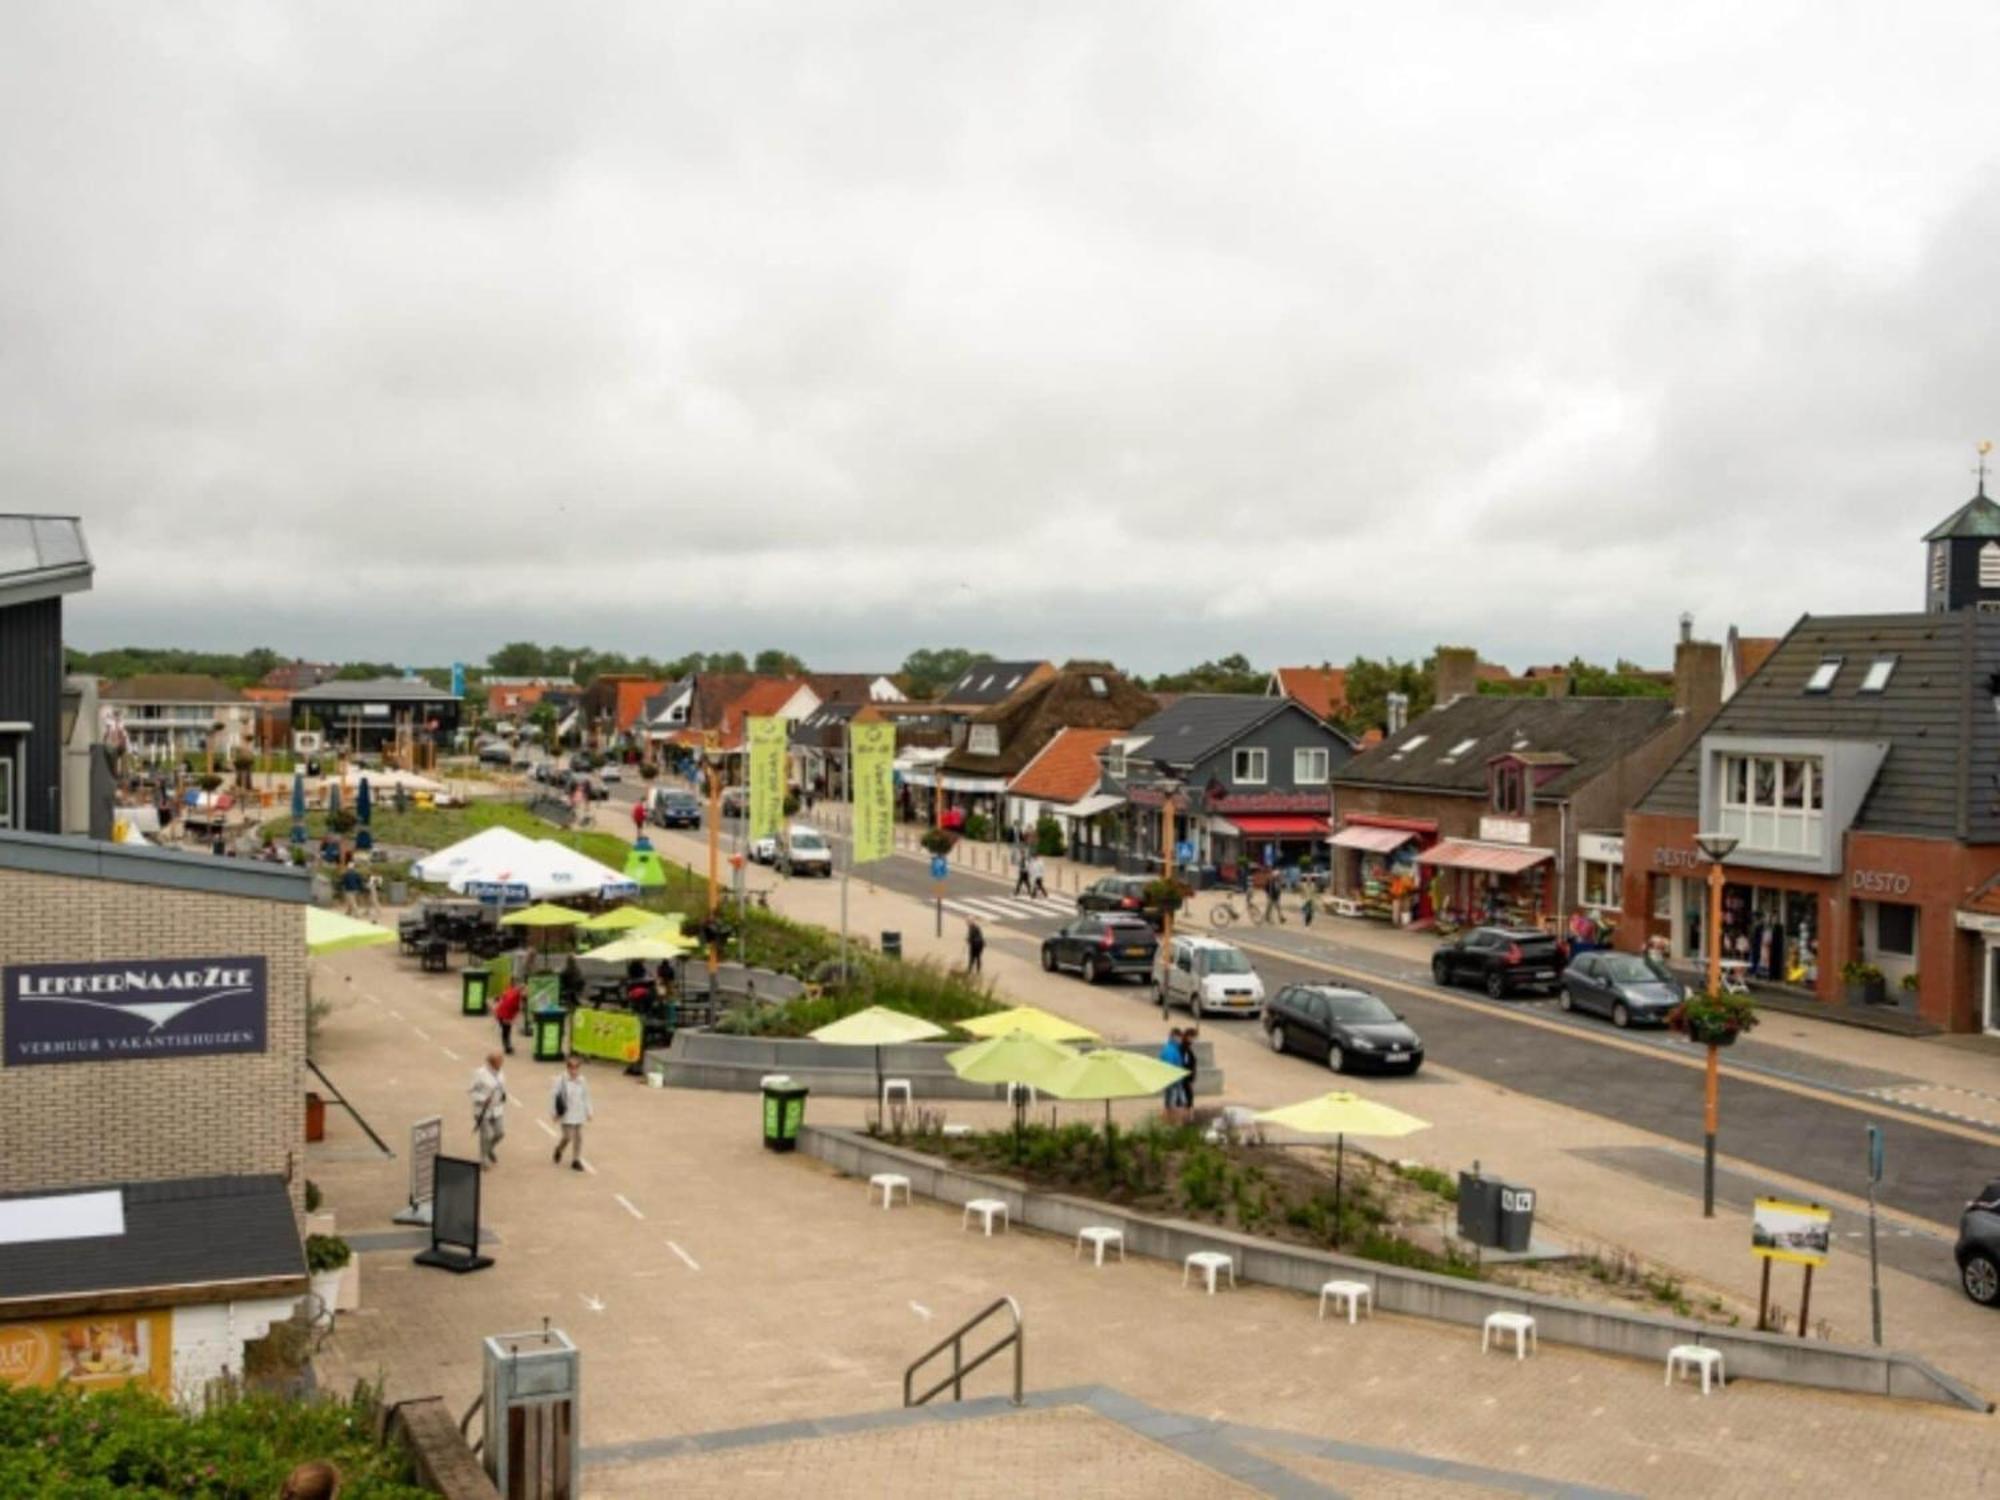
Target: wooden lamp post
(1170, 788)
(1718, 847)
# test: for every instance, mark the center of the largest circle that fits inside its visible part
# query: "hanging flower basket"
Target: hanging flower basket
(939, 840)
(1166, 895)
(1713, 1020)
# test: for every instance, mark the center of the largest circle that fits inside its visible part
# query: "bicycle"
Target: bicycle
(1224, 913)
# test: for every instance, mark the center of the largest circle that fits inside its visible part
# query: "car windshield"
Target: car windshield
(1227, 961)
(1364, 1010)
(1632, 968)
(807, 841)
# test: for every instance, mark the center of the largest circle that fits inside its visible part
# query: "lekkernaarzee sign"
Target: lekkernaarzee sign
(109, 1010)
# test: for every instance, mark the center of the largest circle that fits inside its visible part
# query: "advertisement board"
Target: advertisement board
(92, 1353)
(767, 776)
(1798, 1232)
(126, 1008)
(613, 1035)
(871, 750)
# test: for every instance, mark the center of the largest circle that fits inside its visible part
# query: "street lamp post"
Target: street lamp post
(711, 751)
(1170, 788)
(1718, 847)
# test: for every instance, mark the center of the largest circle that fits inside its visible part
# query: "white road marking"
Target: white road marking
(627, 1202)
(588, 1167)
(396, 1013)
(449, 1053)
(921, 1311)
(547, 1129)
(421, 1032)
(595, 1304)
(689, 1259)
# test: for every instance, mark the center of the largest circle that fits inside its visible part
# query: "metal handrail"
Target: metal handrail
(466, 1421)
(955, 1341)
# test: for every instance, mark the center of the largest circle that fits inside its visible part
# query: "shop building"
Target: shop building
(42, 558)
(1503, 808)
(402, 717)
(151, 1182)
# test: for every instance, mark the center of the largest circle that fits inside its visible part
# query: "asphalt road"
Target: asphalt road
(1930, 1172)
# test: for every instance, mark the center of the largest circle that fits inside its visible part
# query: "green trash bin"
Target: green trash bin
(473, 985)
(547, 1029)
(784, 1113)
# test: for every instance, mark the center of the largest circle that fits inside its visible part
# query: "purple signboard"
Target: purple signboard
(141, 1007)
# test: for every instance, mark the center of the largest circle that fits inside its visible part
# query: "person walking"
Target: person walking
(489, 1108)
(1273, 888)
(569, 1100)
(507, 1010)
(639, 819)
(1036, 876)
(1309, 901)
(1188, 1037)
(373, 893)
(350, 890)
(975, 947)
(1019, 854)
(1170, 1054)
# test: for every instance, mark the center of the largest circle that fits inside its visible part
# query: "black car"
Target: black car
(1502, 959)
(1125, 893)
(495, 754)
(1978, 1248)
(1623, 986)
(677, 810)
(1100, 944)
(1350, 1028)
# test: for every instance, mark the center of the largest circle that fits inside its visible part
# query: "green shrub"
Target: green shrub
(1048, 837)
(327, 1252)
(1430, 1179)
(978, 827)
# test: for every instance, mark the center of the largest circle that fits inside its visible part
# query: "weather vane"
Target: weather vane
(1984, 449)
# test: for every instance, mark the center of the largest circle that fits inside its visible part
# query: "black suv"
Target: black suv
(1978, 1248)
(1350, 1028)
(1125, 893)
(1502, 959)
(1100, 944)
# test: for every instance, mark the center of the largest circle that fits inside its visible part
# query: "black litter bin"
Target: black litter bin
(784, 1113)
(892, 945)
(1478, 1209)
(1517, 1216)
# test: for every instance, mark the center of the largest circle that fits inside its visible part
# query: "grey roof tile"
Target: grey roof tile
(1449, 748)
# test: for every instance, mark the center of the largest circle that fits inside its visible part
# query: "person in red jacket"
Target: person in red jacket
(507, 1010)
(639, 818)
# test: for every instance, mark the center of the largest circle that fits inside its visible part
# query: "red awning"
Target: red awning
(1278, 825)
(1495, 859)
(1374, 840)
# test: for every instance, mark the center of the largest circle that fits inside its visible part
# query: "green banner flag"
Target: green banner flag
(767, 777)
(871, 751)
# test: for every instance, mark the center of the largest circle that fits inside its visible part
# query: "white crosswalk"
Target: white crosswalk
(1010, 908)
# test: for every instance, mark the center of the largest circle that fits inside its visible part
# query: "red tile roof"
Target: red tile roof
(1320, 691)
(1066, 769)
(1752, 651)
(630, 703)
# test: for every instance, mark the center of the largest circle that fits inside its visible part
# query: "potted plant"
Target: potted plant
(1908, 985)
(1864, 983)
(938, 840)
(1713, 1020)
(327, 1256)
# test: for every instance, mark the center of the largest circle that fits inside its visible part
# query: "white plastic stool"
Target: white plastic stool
(1208, 1262)
(955, 1130)
(1687, 1358)
(1520, 1325)
(888, 1182)
(897, 1086)
(1098, 1236)
(1351, 1294)
(986, 1208)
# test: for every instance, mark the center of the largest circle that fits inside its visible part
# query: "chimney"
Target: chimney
(1457, 673)
(1687, 627)
(1697, 678)
(1556, 685)
(1398, 715)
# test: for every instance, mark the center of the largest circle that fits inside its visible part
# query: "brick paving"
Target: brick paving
(713, 1285)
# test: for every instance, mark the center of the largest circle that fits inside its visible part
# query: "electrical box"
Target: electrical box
(534, 1385)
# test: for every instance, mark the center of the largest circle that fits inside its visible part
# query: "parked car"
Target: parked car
(593, 789)
(1098, 945)
(675, 809)
(1502, 959)
(1209, 977)
(582, 760)
(611, 771)
(1119, 893)
(1978, 1248)
(805, 851)
(495, 753)
(1351, 1028)
(735, 801)
(1624, 986)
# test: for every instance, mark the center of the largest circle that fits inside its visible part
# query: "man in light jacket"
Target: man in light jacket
(569, 1101)
(489, 1108)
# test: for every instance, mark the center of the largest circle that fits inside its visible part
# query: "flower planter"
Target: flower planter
(1867, 992)
(326, 1288)
(315, 1117)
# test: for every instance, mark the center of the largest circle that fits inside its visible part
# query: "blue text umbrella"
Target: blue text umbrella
(298, 807)
(364, 804)
(332, 798)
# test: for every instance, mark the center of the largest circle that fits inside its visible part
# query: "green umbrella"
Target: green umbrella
(878, 1026)
(1017, 1057)
(620, 918)
(329, 932)
(647, 947)
(1108, 1074)
(542, 915)
(1341, 1114)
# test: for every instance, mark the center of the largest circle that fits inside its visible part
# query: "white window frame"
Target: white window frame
(1306, 756)
(1614, 884)
(1825, 675)
(1114, 762)
(1880, 671)
(1989, 566)
(13, 774)
(1939, 567)
(1774, 804)
(983, 739)
(1242, 755)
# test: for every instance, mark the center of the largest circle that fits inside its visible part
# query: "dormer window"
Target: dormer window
(1114, 762)
(1821, 680)
(1510, 793)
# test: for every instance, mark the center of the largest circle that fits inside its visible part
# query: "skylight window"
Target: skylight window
(1098, 689)
(1413, 741)
(1879, 672)
(1821, 680)
(1459, 749)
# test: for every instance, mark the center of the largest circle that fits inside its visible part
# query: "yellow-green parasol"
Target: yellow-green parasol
(648, 947)
(329, 932)
(1017, 1057)
(1341, 1114)
(1031, 1019)
(543, 914)
(1107, 1073)
(878, 1026)
(621, 919)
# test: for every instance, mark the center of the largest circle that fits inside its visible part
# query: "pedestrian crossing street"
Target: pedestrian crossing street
(1011, 908)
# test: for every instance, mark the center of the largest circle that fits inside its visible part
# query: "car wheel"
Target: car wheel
(1275, 1035)
(1194, 1006)
(1621, 1015)
(1564, 1000)
(1496, 984)
(1981, 1278)
(1440, 972)
(1096, 971)
(1336, 1058)
(1048, 960)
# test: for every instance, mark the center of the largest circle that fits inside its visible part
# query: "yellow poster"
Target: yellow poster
(1798, 1232)
(767, 777)
(614, 1035)
(871, 750)
(91, 1353)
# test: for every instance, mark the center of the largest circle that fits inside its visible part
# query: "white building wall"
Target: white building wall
(209, 1339)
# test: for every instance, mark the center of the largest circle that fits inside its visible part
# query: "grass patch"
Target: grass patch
(437, 827)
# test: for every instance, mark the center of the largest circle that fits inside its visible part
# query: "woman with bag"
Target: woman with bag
(570, 1101)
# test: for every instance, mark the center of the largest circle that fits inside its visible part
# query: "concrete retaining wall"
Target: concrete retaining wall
(714, 1060)
(1420, 1294)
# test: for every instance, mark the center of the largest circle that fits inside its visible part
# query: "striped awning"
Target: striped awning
(1373, 840)
(1493, 859)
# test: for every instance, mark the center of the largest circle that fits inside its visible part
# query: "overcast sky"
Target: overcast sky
(1147, 330)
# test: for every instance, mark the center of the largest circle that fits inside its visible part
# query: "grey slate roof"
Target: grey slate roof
(40, 556)
(825, 728)
(148, 864)
(1938, 713)
(988, 682)
(195, 1230)
(1196, 725)
(376, 690)
(1593, 733)
(1979, 516)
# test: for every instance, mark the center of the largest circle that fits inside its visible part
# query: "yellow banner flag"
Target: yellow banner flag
(871, 751)
(767, 777)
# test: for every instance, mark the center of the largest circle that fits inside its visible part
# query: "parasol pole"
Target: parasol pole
(1339, 1164)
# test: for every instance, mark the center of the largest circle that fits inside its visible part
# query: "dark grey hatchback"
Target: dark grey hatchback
(1350, 1028)
(1978, 1248)
(1623, 986)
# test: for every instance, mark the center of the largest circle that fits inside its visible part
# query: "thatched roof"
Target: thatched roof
(1081, 695)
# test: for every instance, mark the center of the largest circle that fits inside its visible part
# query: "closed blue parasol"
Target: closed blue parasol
(298, 807)
(364, 806)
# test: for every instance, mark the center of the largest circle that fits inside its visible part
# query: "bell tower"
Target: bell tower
(1962, 554)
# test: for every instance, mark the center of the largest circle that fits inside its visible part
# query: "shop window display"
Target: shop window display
(1774, 931)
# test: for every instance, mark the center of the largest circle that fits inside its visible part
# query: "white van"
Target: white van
(805, 851)
(1211, 978)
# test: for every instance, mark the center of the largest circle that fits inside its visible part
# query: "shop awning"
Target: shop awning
(1373, 840)
(1494, 859)
(1278, 825)
(1091, 806)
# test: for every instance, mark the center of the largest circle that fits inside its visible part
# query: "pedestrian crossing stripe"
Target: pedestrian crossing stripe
(998, 908)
